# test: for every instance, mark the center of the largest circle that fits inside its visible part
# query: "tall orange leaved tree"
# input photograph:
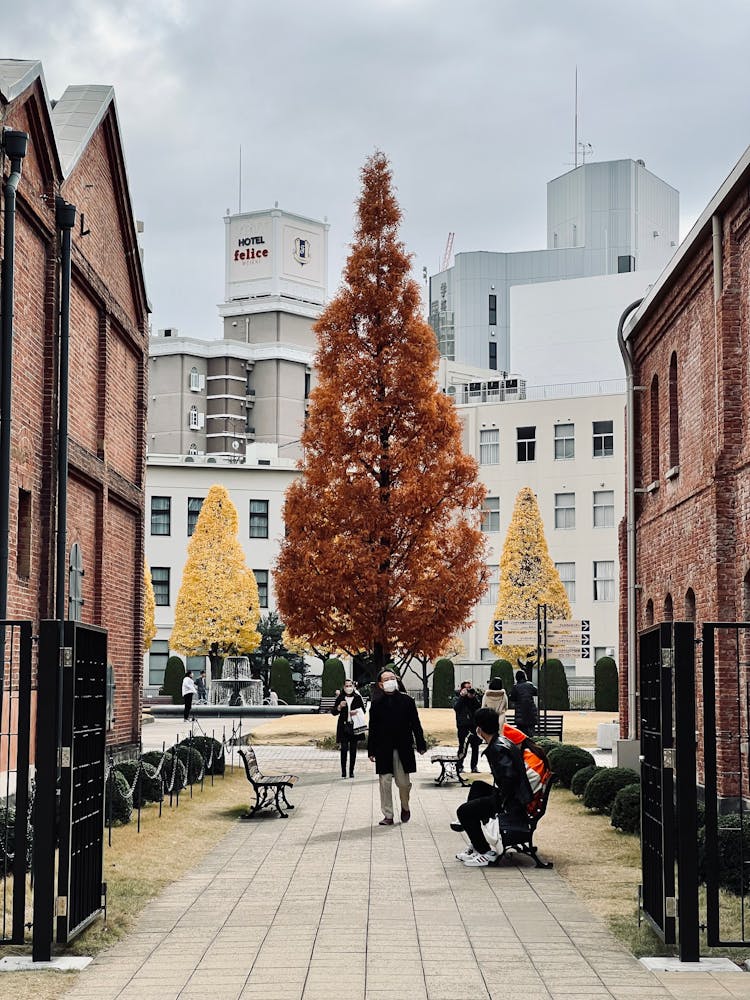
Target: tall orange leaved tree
(383, 550)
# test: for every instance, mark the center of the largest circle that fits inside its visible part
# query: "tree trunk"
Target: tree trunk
(216, 661)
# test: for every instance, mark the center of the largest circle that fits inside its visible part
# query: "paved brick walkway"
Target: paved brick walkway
(328, 906)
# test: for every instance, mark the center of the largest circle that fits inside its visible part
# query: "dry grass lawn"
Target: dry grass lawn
(305, 730)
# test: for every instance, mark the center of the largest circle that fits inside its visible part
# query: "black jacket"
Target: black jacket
(465, 709)
(343, 715)
(394, 725)
(509, 772)
(522, 698)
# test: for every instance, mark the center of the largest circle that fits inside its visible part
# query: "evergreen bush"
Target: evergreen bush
(149, 787)
(734, 843)
(8, 838)
(626, 809)
(581, 779)
(174, 673)
(553, 686)
(566, 759)
(204, 745)
(117, 792)
(602, 788)
(504, 670)
(443, 684)
(281, 680)
(191, 757)
(154, 757)
(606, 693)
(333, 677)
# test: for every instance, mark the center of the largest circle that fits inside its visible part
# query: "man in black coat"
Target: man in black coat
(465, 706)
(394, 730)
(521, 697)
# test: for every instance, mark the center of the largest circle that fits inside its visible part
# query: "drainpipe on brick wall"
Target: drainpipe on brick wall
(627, 358)
(14, 146)
(718, 261)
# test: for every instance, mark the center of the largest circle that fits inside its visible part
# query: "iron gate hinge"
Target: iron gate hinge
(668, 757)
(61, 906)
(670, 906)
(64, 757)
(66, 656)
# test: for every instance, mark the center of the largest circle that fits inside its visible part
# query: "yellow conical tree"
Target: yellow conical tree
(528, 576)
(149, 608)
(217, 610)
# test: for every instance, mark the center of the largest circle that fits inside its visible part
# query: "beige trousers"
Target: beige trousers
(403, 784)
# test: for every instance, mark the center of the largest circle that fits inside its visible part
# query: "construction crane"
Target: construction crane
(445, 263)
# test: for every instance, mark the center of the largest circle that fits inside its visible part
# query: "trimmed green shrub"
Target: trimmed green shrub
(504, 670)
(626, 809)
(606, 694)
(180, 774)
(333, 677)
(281, 680)
(174, 673)
(443, 684)
(204, 745)
(8, 837)
(192, 759)
(546, 743)
(553, 686)
(566, 759)
(602, 788)
(581, 778)
(149, 787)
(118, 792)
(733, 845)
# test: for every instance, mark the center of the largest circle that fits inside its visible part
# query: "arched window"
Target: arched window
(654, 428)
(690, 605)
(674, 429)
(668, 608)
(649, 612)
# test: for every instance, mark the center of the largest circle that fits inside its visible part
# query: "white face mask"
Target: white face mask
(390, 685)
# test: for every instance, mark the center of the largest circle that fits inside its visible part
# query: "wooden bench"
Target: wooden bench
(326, 705)
(451, 764)
(553, 727)
(266, 784)
(522, 840)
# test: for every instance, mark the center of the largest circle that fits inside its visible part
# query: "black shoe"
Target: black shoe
(457, 827)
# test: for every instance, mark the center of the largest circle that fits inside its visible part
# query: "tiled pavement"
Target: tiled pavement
(328, 906)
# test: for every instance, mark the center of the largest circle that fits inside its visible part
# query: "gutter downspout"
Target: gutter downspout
(627, 358)
(718, 261)
(14, 145)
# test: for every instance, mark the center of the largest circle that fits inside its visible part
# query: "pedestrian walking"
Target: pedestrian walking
(188, 690)
(522, 696)
(394, 731)
(200, 687)
(496, 698)
(350, 709)
(465, 707)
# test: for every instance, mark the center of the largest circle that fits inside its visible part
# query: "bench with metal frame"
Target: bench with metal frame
(522, 840)
(326, 705)
(550, 725)
(270, 789)
(451, 764)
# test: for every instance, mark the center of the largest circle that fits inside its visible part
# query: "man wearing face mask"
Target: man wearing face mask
(394, 731)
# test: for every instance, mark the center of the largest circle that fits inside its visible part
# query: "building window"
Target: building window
(486, 655)
(491, 514)
(493, 356)
(193, 512)
(604, 580)
(654, 428)
(565, 510)
(158, 655)
(565, 442)
(600, 651)
(604, 508)
(259, 518)
(161, 515)
(195, 664)
(690, 605)
(490, 595)
(493, 310)
(307, 385)
(625, 263)
(674, 427)
(489, 446)
(604, 438)
(526, 444)
(23, 535)
(668, 609)
(195, 380)
(193, 449)
(160, 582)
(261, 578)
(567, 572)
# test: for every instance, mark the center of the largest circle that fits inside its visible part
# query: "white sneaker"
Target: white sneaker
(477, 860)
(466, 854)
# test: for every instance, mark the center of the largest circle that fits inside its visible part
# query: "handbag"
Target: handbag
(358, 721)
(492, 834)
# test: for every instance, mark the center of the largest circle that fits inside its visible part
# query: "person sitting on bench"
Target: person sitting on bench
(507, 800)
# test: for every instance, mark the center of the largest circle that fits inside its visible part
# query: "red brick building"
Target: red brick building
(690, 343)
(75, 151)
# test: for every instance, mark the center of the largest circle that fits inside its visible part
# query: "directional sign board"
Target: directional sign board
(566, 638)
(515, 632)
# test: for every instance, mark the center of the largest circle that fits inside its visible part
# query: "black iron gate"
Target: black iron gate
(71, 761)
(15, 730)
(726, 729)
(668, 784)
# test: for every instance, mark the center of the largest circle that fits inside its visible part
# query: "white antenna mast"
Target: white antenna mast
(575, 125)
(240, 185)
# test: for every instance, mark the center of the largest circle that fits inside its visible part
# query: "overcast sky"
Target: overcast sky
(472, 100)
